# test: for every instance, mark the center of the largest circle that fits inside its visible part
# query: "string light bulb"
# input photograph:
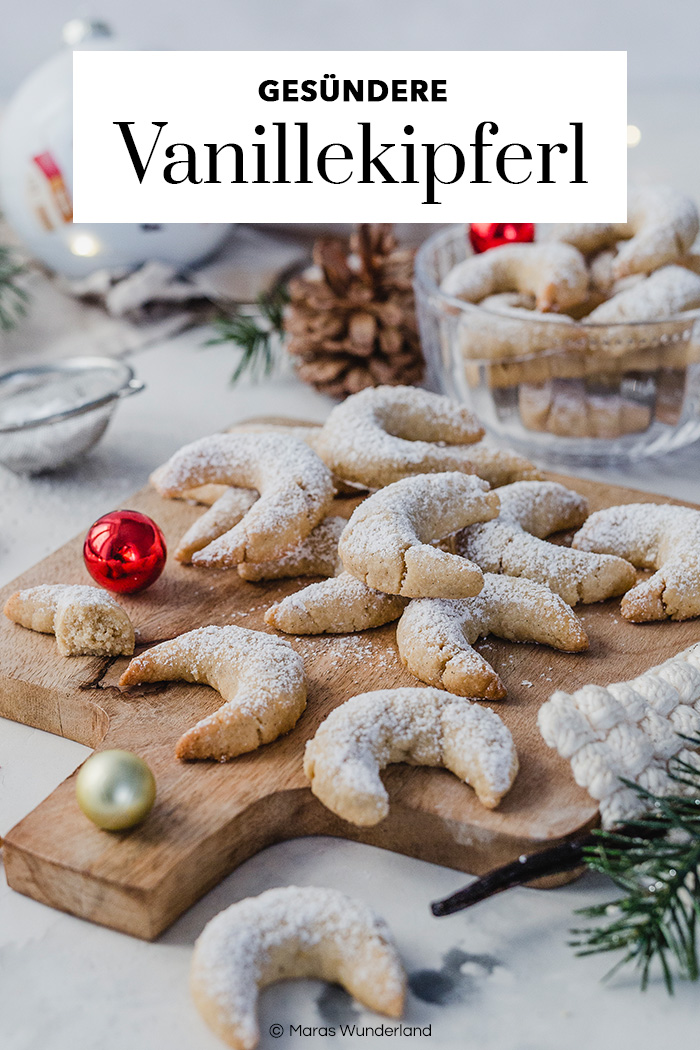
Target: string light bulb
(634, 135)
(84, 244)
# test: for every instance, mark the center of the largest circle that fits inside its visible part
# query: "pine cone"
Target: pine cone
(352, 319)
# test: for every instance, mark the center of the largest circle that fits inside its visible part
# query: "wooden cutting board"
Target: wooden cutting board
(209, 817)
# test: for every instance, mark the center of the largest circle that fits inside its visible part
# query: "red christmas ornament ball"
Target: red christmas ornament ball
(125, 551)
(485, 235)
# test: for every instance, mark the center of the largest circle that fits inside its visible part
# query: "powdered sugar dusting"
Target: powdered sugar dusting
(517, 609)
(317, 555)
(355, 648)
(408, 513)
(555, 273)
(435, 636)
(86, 620)
(662, 224)
(259, 676)
(292, 932)
(221, 516)
(296, 491)
(45, 597)
(651, 536)
(383, 434)
(513, 544)
(335, 606)
(419, 726)
(541, 507)
(665, 293)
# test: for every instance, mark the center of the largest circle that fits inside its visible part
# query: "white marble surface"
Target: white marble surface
(503, 972)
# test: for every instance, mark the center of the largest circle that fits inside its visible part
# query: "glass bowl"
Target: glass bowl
(52, 414)
(556, 390)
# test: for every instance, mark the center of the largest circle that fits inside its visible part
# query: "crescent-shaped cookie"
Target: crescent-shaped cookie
(260, 678)
(335, 606)
(435, 636)
(661, 226)
(228, 509)
(388, 432)
(555, 274)
(291, 932)
(387, 541)
(497, 466)
(228, 504)
(514, 544)
(296, 491)
(309, 433)
(567, 408)
(384, 434)
(504, 327)
(651, 536)
(422, 726)
(317, 555)
(210, 494)
(86, 620)
(306, 432)
(663, 294)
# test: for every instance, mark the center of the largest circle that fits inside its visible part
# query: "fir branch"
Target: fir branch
(654, 862)
(257, 334)
(655, 918)
(13, 298)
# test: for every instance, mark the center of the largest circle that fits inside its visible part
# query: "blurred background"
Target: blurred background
(661, 40)
(117, 290)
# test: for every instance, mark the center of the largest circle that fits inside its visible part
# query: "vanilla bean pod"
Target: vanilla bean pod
(565, 856)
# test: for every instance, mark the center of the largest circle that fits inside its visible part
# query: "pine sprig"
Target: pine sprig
(13, 298)
(655, 919)
(257, 334)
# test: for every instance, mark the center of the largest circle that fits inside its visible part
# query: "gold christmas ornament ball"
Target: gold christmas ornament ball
(115, 789)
